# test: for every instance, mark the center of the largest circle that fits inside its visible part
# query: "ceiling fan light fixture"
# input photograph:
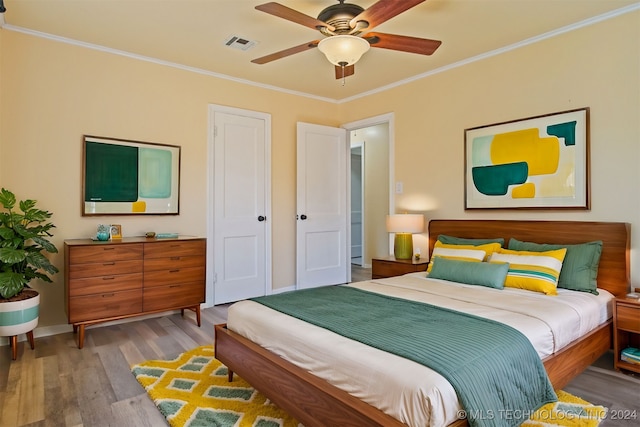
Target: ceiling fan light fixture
(343, 50)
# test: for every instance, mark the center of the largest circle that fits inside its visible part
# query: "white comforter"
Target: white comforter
(408, 391)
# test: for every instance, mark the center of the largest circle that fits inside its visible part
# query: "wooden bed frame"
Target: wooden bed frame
(314, 402)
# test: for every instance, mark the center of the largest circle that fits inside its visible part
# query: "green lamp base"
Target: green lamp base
(403, 246)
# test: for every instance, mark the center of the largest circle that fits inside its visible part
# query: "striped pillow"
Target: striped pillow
(462, 252)
(533, 271)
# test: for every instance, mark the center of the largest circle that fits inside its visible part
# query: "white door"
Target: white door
(357, 203)
(322, 213)
(241, 212)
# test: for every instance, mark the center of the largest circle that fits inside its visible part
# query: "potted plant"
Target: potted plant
(24, 234)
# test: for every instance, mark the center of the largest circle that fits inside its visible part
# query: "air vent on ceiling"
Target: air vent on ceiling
(240, 43)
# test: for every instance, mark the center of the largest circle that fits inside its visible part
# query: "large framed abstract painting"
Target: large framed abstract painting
(535, 163)
(122, 177)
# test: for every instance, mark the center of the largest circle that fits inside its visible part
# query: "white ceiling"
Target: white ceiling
(192, 33)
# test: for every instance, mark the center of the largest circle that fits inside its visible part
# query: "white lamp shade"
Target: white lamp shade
(344, 49)
(405, 223)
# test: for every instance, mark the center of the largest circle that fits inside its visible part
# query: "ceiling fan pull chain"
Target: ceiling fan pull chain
(343, 77)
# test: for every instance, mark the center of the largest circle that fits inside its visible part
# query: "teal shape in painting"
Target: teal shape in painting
(495, 180)
(481, 150)
(567, 131)
(111, 173)
(155, 173)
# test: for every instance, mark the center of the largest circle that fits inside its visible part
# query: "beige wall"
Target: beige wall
(596, 66)
(52, 93)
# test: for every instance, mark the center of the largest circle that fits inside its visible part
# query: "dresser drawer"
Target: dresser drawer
(174, 276)
(628, 318)
(173, 296)
(175, 248)
(105, 305)
(107, 268)
(382, 268)
(172, 263)
(105, 252)
(102, 284)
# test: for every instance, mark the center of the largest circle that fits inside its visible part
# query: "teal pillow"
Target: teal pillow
(450, 240)
(579, 268)
(470, 273)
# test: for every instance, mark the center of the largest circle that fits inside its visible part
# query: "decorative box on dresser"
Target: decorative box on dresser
(132, 276)
(389, 266)
(626, 330)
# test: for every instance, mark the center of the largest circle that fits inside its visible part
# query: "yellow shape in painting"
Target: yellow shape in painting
(524, 191)
(562, 184)
(139, 206)
(541, 154)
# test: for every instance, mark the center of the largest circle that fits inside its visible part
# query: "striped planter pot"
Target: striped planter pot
(19, 317)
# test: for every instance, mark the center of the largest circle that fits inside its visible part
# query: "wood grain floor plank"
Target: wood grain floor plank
(68, 399)
(97, 394)
(137, 411)
(132, 354)
(118, 373)
(9, 411)
(31, 407)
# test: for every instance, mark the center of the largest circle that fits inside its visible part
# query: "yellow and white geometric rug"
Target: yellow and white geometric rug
(193, 390)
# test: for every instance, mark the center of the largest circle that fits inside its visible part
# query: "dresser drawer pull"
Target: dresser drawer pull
(108, 249)
(174, 271)
(175, 258)
(108, 278)
(174, 286)
(107, 295)
(109, 263)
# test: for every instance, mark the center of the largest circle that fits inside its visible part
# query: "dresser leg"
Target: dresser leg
(80, 336)
(197, 310)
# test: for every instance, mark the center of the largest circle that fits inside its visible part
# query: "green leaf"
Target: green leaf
(11, 284)
(7, 199)
(12, 256)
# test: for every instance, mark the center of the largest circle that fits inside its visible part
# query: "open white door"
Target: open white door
(241, 230)
(322, 251)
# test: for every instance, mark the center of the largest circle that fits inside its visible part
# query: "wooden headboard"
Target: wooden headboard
(613, 271)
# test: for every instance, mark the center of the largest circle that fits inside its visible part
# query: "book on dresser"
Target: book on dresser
(132, 276)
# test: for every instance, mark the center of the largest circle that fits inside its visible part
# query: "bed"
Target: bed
(315, 401)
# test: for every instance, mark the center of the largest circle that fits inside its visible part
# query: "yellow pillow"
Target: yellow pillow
(533, 271)
(462, 252)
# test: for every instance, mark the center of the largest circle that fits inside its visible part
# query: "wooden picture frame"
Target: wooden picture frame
(125, 177)
(115, 231)
(540, 162)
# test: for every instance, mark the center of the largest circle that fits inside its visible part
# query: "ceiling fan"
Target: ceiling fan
(343, 24)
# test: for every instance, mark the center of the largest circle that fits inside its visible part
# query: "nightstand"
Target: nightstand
(626, 330)
(390, 266)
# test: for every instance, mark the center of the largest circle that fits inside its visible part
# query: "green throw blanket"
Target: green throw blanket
(494, 369)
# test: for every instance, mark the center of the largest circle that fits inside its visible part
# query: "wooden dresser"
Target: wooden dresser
(130, 277)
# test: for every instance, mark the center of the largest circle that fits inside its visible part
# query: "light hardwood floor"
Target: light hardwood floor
(58, 384)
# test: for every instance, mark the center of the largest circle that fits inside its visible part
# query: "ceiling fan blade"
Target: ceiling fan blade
(402, 43)
(276, 9)
(286, 52)
(382, 11)
(348, 71)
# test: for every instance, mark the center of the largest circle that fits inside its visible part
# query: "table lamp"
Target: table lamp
(404, 225)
